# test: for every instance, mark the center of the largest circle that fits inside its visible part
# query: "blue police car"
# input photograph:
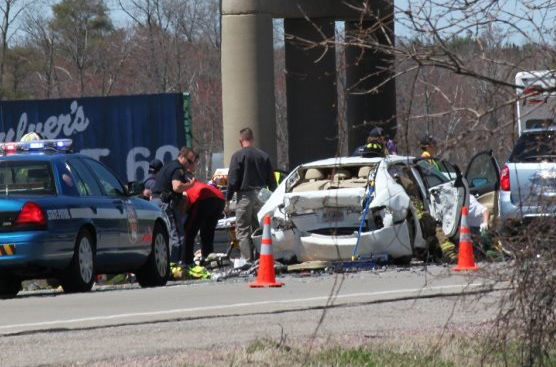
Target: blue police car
(66, 216)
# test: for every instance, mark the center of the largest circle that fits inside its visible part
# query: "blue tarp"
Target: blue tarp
(124, 132)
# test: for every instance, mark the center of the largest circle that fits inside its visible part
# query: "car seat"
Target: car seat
(313, 174)
(363, 172)
(314, 180)
(36, 175)
(341, 174)
(39, 176)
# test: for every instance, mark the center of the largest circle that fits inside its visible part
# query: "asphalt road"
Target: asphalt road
(164, 326)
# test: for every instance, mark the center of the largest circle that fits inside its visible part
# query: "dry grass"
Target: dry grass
(426, 350)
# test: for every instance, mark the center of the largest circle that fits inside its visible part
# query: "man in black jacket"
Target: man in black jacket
(250, 170)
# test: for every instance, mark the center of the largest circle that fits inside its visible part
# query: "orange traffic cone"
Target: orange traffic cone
(265, 275)
(466, 261)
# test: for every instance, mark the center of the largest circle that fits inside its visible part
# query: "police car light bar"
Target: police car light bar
(37, 146)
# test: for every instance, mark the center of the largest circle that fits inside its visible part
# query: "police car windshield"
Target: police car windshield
(26, 178)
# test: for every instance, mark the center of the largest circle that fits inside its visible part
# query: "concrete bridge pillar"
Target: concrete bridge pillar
(311, 91)
(248, 75)
(365, 70)
(248, 81)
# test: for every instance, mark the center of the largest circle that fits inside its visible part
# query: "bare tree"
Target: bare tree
(152, 22)
(80, 26)
(41, 37)
(10, 11)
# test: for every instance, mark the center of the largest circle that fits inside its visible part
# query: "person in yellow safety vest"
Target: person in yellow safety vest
(429, 148)
(447, 247)
(279, 176)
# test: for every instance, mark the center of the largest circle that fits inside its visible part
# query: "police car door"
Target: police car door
(121, 208)
(96, 207)
(445, 192)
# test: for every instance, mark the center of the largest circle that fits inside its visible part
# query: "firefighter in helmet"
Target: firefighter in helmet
(375, 145)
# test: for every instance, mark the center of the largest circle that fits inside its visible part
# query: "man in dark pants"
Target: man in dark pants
(172, 180)
(250, 170)
(206, 204)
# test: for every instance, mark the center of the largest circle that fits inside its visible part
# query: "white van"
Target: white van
(536, 104)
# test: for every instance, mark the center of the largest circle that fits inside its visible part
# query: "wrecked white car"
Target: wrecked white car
(337, 208)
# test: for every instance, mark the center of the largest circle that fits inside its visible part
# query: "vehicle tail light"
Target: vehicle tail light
(31, 215)
(532, 96)
(530, 91)
(505, 179)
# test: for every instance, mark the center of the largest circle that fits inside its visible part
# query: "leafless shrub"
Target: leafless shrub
(526, 322)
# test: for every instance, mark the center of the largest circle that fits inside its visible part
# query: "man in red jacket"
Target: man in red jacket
(206, 205)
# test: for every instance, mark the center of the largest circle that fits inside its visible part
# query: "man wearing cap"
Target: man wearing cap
(428, 146)
(429, 150)
(154, 167)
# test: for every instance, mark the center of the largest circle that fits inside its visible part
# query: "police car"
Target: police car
(66, 216)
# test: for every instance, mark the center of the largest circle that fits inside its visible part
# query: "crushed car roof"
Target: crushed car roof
(355, 160)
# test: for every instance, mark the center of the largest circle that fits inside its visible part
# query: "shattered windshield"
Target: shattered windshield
(435, 172)
(26, 178)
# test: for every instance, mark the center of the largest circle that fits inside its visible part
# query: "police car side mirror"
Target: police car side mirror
(134, 188)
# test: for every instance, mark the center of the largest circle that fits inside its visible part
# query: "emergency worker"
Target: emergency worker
(428, 146)
(442, 247)
(375, 145)
(172, 180)
(154, 167)
(250, 170)
(206, 205)
(429, 150)
(391, 146)
(279, 176)
(477, 219)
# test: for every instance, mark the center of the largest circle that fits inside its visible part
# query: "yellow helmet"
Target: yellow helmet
(32, 136)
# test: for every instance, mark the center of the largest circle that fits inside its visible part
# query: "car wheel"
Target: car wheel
(9, 286)
(156, 270)
(80, 275)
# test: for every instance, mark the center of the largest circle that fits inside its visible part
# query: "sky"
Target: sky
(516, 17)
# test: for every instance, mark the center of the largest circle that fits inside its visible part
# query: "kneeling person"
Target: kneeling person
(206, 205)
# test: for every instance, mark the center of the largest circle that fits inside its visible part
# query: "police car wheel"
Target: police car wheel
(9, 286)
(156, 270)
(79, 276)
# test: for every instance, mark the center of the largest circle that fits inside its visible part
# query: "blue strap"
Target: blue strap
(366, 203)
